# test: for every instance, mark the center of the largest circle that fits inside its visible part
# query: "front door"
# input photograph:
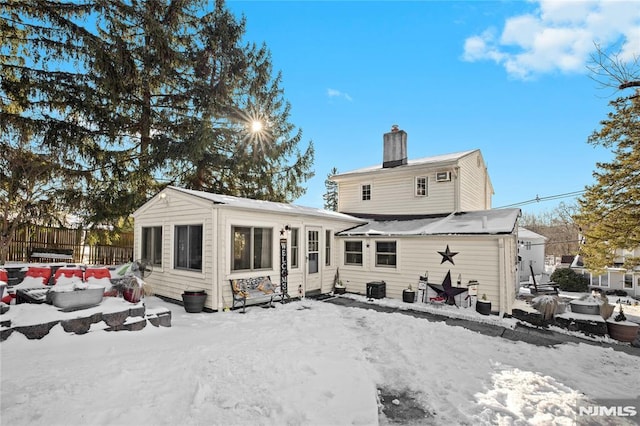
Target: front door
(313, 275)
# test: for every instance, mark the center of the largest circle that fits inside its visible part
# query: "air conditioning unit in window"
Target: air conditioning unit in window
(443, 176)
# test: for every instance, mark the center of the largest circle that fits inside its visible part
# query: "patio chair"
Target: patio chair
(68, 276)
(101, 276)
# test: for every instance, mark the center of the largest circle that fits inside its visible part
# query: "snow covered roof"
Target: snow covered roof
(270, 206)
(495, 221)
(526, 234)
(434, 160)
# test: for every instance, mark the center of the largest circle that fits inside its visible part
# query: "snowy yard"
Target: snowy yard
(303, 363)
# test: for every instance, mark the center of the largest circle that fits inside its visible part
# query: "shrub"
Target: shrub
(568, 280)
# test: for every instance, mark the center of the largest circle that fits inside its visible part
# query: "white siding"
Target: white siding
(474, 191)
(393, 192)
(178, 209)
(478, 259)
(217, 220)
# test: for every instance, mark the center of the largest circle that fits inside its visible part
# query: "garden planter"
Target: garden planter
(131, 295)
(483, 307)
(408, 296)
(623, 331)
(76, 298)
(339, 290)
(193, 300)
(582, 307)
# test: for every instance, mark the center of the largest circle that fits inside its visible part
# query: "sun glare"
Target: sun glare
(256, 126)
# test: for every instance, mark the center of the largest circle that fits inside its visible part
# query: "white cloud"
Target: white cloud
(559, 36)
(333, 93)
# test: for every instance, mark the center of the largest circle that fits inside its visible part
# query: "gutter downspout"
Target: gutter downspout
(456, 174)
(502, 283)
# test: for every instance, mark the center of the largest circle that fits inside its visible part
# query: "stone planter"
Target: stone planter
(582, 307)
(193, 300)
(408, 296)
(483, 307)
(623, 331)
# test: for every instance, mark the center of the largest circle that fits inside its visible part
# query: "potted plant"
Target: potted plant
(339, 287)
(133, 288)
(483, 306)
(621, 329)
(409, 295)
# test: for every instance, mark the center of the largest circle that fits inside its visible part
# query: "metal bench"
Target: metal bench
(253, 291)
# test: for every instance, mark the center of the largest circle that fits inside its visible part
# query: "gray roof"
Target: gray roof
(270, 206)
(495, 221)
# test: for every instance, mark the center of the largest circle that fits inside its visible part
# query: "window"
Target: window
(313, 251)
(151, 249)
(421, 186)
(295, 247)
(386, 253)
(252, 248)
(628, 281)
(327, 248)
(188, 247)
(366, 192)
(353, 252)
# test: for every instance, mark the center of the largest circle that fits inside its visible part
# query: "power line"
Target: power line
(538, 199)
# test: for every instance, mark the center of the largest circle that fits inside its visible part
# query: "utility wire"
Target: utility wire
(538, 199)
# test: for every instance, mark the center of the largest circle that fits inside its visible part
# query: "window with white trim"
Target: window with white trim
(252, 248)
(421, 186)
(151, 245)
(295, 248)
(386, 254)
(188, 247)
(327, 247)
(366, 192)
(353, 253)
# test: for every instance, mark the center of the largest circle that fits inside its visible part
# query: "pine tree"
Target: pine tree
(131, 96)
(331, 196)
(609, 212)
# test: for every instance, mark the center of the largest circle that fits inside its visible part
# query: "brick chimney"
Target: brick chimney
(395, 148)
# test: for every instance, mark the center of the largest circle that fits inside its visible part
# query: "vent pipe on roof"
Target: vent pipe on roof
(395, 148)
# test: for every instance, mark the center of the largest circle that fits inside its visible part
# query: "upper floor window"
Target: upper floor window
(353, 253)
(151, 248)
(386, 253)
(188, 247)
(252, 248)
(366, 192)
(421, 186)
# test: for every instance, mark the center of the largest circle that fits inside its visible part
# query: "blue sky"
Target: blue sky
(508, 78)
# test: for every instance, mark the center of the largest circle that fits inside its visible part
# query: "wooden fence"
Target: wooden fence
(34, 238)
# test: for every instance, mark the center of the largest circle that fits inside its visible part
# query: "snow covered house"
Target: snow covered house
(531, 249)
(199, 241)
(396, 222)
(421, 213)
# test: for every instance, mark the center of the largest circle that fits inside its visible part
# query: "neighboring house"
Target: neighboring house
(531, 251)
(615, 277)
(198, 240)
(397, 221)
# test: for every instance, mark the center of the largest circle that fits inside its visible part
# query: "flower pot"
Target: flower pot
(623, 331)
(408, 296)
(339, 290)
(193, 300)
(483, 307)
(131, 295)
(584, 307)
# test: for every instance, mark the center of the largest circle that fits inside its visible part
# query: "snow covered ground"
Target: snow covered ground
(304, 363)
